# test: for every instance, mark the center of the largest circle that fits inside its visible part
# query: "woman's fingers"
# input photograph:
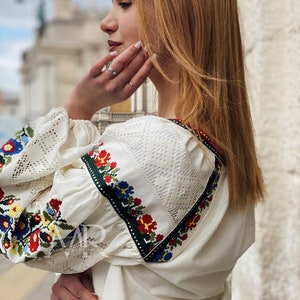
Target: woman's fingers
(103, 87)
(71, 287)
(123, 60)
(134, 82)
(97, 68)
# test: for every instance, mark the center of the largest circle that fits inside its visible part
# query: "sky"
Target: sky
(18, 20)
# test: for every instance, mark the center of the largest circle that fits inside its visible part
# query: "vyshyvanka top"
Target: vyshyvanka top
(144, 206)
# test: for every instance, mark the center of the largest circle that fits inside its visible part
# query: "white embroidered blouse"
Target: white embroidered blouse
(144, 206)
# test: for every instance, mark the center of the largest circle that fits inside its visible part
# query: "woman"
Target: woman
(158, 207)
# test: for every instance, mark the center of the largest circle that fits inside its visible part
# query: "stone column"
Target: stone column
(270, 270)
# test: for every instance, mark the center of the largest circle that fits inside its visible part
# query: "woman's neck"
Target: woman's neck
(167, 93)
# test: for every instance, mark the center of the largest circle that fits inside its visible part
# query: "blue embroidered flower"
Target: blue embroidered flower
(164, 256)
(5, 222)
(123, 190)
(22, 227)
(11, 147)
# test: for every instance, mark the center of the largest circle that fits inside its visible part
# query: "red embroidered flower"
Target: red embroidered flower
(34, 241)
(159, 237)
(6, 244)
(1, 194)
(107, 178)
(172, 242)
(102, 158)
(146, 224)
(55, 204)
(36, 218)
(184, 237)
(113, 165)
(12, 147)
(192, 222)
(137, 201)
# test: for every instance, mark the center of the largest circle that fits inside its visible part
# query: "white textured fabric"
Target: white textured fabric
(148, 204)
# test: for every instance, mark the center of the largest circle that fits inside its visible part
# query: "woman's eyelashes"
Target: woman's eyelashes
(125, 5)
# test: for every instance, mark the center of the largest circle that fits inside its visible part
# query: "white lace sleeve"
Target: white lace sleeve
(42, 147)
(31, 222)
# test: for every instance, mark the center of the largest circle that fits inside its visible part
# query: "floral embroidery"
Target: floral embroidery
(146, 224)
(25, 233)
(14, 146)
(153, 246)
(122, 192)
(191, 219)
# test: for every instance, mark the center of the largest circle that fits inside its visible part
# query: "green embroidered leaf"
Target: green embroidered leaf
(47, 216)
(20, 250)
(65, 226)
(45, 245)
(41, 254)
(8, 160)
(30, 131)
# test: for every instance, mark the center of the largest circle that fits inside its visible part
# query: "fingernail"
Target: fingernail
(154, 56)
(113, 53)
(138, 45)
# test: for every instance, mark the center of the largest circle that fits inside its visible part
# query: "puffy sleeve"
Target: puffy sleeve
(36, 189)
(70, 198)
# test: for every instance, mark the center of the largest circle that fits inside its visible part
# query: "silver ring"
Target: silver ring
(133, 85)
(112, 71)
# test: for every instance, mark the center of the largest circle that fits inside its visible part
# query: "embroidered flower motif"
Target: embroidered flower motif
(165, 256)
(153, 245)
(55, 204)
(34, 241)
(107, 179)
(15, 210)
(14, 246)
(54, 231)
(123, 189)
(22, 228)
(192, 222)
(14, 146)
(5, 222)
(24, 234)
(11, 147)
(45, 237)
(6, 244)
(102, 158)
(35, 220)
(53, 207)
(146, 224)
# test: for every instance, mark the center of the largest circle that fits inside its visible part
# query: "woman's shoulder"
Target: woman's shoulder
(145, 125)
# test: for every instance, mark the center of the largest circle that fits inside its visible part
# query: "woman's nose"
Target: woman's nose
(109, 24)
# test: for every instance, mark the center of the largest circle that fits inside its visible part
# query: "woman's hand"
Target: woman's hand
(72, 287)
(103, 87)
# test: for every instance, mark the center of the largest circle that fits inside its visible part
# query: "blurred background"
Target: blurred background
(39, 38)
(45, 46)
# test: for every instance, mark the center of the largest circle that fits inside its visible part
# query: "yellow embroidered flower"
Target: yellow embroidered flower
(13, 247)
(54, 231)
(15, 210)
(45, 221)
